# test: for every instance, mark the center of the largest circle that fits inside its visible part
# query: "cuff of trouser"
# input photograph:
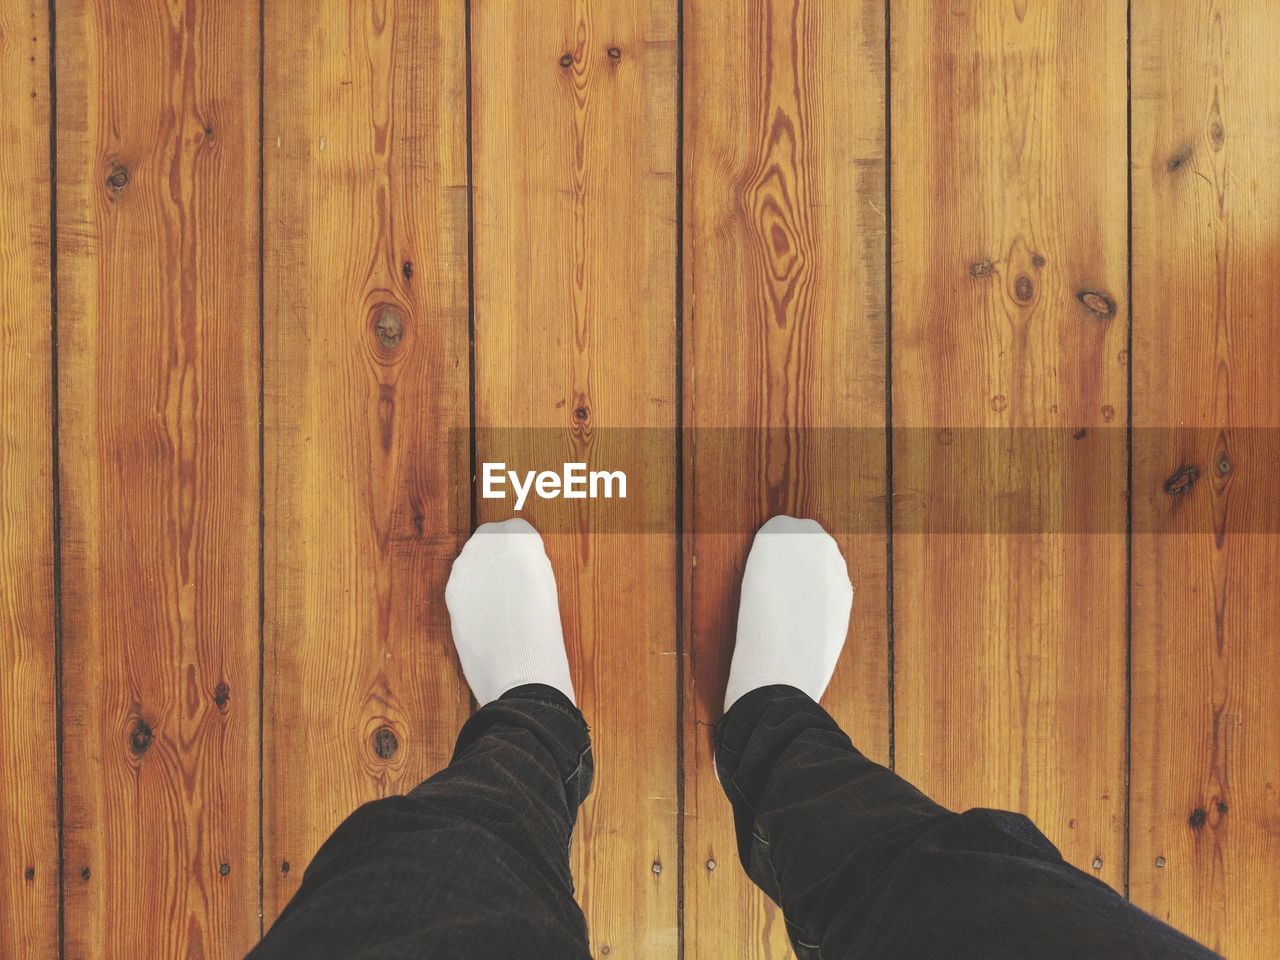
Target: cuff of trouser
(749, 741)
(547, 694)
(738, 725)
(553, 719)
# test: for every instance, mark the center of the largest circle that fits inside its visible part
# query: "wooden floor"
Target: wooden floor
(990, 287)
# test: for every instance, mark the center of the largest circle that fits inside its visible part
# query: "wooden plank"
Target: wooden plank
(366, 409)
(574, 151)
(28, 723)
(784, 328)
(158, 373)
(1205, 829)
(1009, 267)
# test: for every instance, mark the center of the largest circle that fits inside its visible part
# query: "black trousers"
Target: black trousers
(474, 863)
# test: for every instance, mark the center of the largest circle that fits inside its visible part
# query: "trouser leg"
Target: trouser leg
(865, 865)
(473, 863)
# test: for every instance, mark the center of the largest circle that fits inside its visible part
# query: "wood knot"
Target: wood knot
(389, 328)
(1037, 261)
(118, 178)
(1178, 159)
(407, 270)
(84, 874)
(999, 402)
(614, 54)
(222, 695)
(1221, 806)
(1224, 465)
(1217, 135)
(1099, 304)
(1023, 289)
(1182, 480)
(224, 869)
(566, 61)
(1080, 434)
(581, 414)
(1197, 818)
(141, 737)
(385, 743)
(284, 868)
(1108, 412)
(981, 269)
(31, 873)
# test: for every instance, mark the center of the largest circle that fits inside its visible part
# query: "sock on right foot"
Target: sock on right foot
(794, 611)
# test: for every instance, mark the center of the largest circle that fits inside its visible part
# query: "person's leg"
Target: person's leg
(865, 865)
(474, 862)
(861, 862)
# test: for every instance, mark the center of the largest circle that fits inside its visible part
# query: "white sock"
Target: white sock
(502, 605)
(794, 611)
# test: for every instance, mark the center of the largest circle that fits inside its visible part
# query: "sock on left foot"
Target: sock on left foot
(504, 612)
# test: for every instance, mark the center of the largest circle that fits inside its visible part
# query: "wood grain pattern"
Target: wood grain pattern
(158, 373)
(1009, 200)
(784, 333)
(1206, 281)
(28, 723)
(366, 409)
(574, 170)
(1009, 364)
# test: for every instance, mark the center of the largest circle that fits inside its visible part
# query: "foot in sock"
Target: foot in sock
(794, 611)
(504, 613)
